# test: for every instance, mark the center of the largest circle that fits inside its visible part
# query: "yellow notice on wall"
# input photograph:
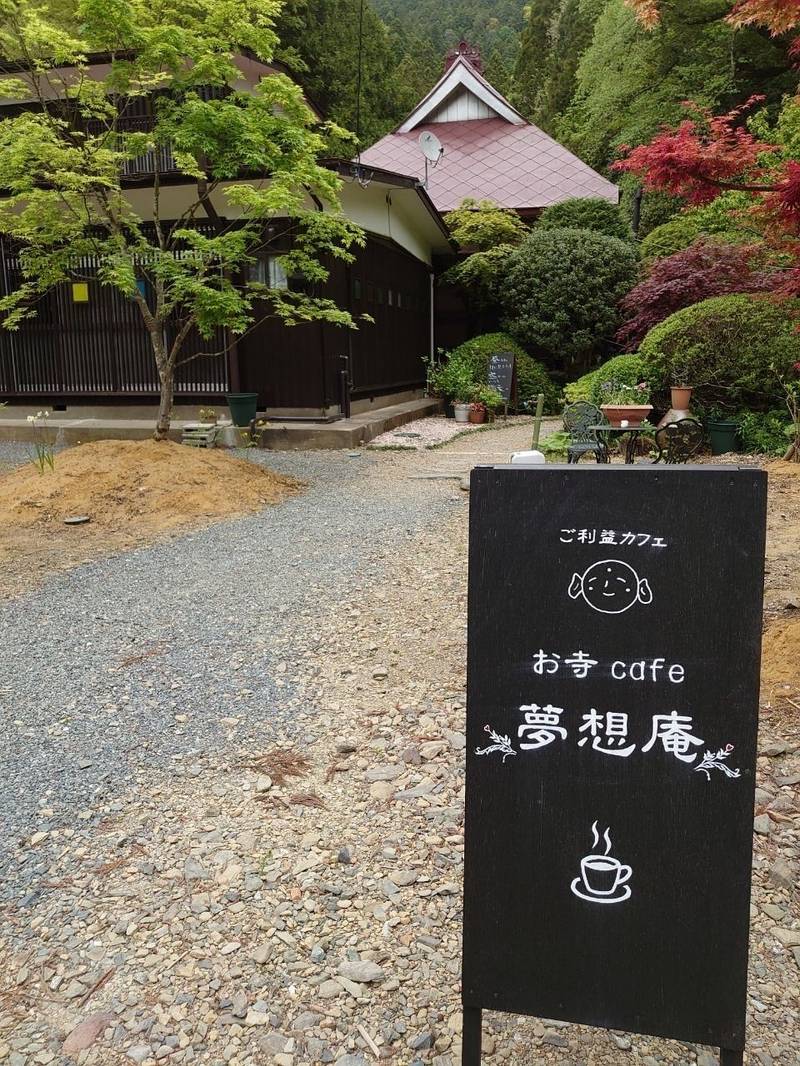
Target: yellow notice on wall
(80, 292)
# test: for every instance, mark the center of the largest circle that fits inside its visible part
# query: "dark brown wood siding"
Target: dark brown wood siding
(100, 349)
(393, 288)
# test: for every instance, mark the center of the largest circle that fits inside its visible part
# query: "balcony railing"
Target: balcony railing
(161, 159)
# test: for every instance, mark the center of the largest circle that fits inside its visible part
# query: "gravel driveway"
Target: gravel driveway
(167, 902)
(101, 665)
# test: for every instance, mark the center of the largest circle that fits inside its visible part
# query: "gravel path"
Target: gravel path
(139, 658)
(101, 666)
(166, 901)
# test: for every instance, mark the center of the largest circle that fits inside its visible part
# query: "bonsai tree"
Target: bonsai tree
(63, 163)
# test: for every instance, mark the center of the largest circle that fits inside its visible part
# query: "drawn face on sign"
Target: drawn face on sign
(610, 587)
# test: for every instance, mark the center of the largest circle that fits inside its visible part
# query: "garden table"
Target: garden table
(633, 435)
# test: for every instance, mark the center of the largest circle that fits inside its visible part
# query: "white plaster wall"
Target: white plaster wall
(396, 213)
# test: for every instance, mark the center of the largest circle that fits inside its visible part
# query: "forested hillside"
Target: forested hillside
(493, 26)
(584, 70)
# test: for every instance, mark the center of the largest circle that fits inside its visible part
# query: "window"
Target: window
(278, 278)
(268, 271)
(390, 297)
(356, 289)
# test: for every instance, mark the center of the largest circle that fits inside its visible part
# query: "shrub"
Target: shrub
(470, 361)
(728, 346)
(624, 369)
(562, 289)
(724, 219)
(704, 269)
(763, 432)
(592, 213)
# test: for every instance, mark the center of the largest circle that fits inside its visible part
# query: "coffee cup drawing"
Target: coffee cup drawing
(603, 879)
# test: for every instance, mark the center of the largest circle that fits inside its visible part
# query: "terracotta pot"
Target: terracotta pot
(477, 416)
(633, 414)
(681, 397)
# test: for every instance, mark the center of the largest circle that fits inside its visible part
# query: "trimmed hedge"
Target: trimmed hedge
(562, 288)
(591, 212)
(624, 369)
(532, 377)
(727, 347)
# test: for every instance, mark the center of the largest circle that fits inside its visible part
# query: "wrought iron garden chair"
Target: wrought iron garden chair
(579, 419)
(678, 441)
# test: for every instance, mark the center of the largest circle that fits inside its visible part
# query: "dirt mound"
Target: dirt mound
(133, 492)
(154, 485)
(780, 657)
(777, 467)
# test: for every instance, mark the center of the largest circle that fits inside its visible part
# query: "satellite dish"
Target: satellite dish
(430, 146)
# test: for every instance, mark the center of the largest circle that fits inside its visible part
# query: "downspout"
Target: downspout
(323, 367)
(433, 315)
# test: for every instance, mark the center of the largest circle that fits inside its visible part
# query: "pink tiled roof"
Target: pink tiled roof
(516, 166)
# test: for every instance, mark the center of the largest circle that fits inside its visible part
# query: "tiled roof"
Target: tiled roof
(516, 166)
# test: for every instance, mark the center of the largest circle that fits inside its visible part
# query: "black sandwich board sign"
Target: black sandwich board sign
(501, 374)
(613, 669)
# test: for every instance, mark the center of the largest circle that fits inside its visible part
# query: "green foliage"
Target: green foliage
(481, 225)
(62, 170)
(630, 80)
(490, 25)
(570, 33)
(724, 219)
(554, 446)
(468, 365)
(320, 44)
(611, 391)
(561, 291)
(491, 233)
(530, 71)
(486, 396)
(657, 207)
(764, 432)
(625, 369)
(591, 213)
(727, 348)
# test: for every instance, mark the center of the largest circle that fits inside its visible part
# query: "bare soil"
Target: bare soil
(133, 492)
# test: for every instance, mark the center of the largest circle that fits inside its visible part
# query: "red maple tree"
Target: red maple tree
(705, 269)
(709, 154)
(779, 16)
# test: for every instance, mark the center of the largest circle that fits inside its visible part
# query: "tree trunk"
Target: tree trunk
(167, 378)
(792, 453)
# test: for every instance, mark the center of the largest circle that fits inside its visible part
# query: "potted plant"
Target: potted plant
(462, 388)
(484, 402)
(477, 412)
(680, 391)
(625, 403)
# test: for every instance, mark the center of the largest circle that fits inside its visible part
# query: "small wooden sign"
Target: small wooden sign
(501, 374)
(614, 648)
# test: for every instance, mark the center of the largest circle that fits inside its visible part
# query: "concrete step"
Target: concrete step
(276, 436)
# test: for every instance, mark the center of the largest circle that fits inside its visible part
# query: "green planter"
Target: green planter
(243, 407)
(723, 437)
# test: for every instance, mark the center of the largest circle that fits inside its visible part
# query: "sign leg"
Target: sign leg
(730, 1058)
(471, 1038)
